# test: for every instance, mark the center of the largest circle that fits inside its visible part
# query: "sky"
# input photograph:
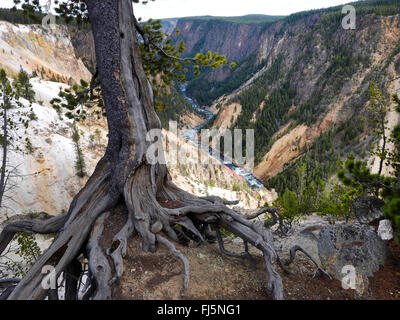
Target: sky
(186, 8)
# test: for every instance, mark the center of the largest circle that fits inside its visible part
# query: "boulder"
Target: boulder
(385, 230)
(367, 209)
(345, 246)
(306, 238)
(304, 233)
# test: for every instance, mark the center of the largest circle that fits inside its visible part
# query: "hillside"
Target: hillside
(301, 83)
(117, 222)
(220, 82)
(51, 55)
(247, 19)
(52, 149)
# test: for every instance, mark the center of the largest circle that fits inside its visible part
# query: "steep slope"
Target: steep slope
(310, 79)
(235, 37)
(48, 53)
(45, 179)
(169, 25)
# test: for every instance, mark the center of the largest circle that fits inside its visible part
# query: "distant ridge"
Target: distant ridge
(246, 19)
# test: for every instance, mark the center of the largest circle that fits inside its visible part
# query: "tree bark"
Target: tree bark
(4, 161)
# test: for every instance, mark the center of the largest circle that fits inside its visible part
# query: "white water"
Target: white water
(191, 135)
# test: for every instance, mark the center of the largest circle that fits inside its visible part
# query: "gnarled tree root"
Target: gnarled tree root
(180, 256)
(293, 251)
(48, 226)
(84, 228)
(9, 285)
(243, 255)
(87, 206)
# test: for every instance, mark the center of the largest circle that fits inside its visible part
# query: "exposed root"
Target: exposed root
(5, 283)
(293, 251)
(98, 262)
(9, 286)
(218, 200)
(31, 226)
(85, 224)
(245, 255)
(118, 248)
(90, 291)
(188, 224)
(274, 280)
(180, 256)
(282, 266)
(212, 210)
(261, 238)
(283, 228)
(90, 203)
(144, 209)
(72, 274)
(6, 293)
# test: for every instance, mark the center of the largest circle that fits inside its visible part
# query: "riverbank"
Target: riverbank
(192, 136)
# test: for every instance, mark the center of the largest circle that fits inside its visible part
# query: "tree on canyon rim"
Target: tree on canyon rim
(125, 189)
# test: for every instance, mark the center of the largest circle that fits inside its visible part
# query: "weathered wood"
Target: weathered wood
(6, 293)
(296, 248)
(72, 274)
(30, 226)
(98, 263)
(91, 203)
(117, 254)
(180, 256)
(263, 242)
(245, 254)
(124, 174)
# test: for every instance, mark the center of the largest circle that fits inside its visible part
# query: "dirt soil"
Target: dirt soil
(159, 276)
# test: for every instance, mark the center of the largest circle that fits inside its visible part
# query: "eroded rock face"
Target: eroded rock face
(339, 249)
(342, 247)
(49, 52)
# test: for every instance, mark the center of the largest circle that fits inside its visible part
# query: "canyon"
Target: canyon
(303, 63)
(46, 179)
(300, 82)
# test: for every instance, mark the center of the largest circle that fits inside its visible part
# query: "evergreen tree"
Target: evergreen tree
(391, 195)
(12, 120)
(23, 86)
(356, 174)
(80, 160)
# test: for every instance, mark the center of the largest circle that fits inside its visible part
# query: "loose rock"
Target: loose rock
(385, 230)
(350, 245)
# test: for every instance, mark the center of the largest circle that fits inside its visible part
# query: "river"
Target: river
(192, 135)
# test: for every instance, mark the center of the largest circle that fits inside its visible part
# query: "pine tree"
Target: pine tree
(23, 86)
(356, 173)
(391, 195)
(80, 160)
(12, 119)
